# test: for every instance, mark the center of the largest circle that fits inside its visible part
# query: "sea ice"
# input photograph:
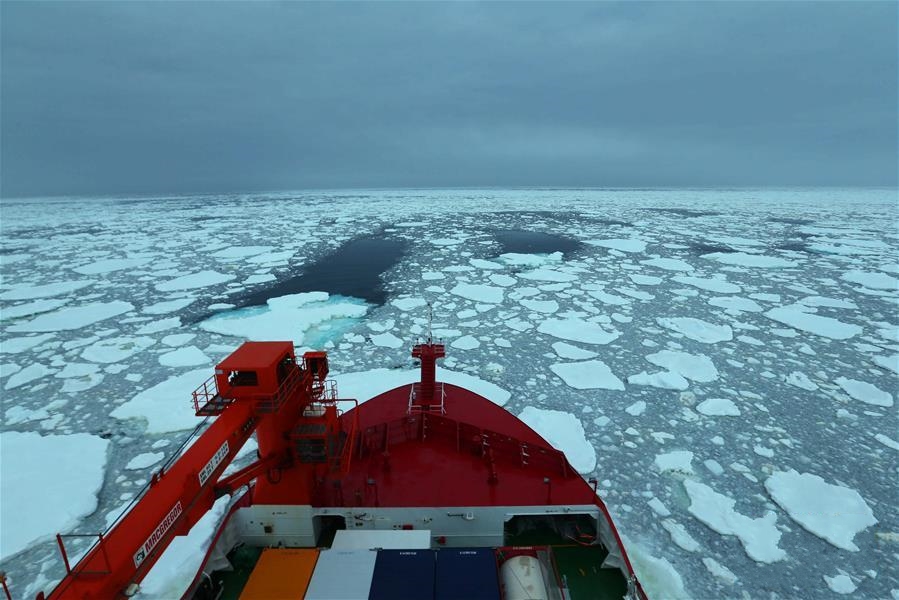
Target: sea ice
(696, 367)
(666, 380)
(750, 260)
(624, 245)
(678, 461)
(669, 264)
(719, 286)
(478, 292)
(564, 432)
(142, 461)
(697, 329)
(294, 315)
(718, 407)
(188, 356)
(572, 352)
(30, 292)
(166, 406)
(109, 265)
(75, 317)
(49, 483)
(733, 303)
(193, 281)
(466, 342)
(168, 306)
(831, 512)
(841, 584)
(823, 326)
(113, 350)
(27, 375)
(587, 375)
(874, 281)
(31, 308)
(758, 536)
(21, 344)
(865, 392)
(577, 330)
(406, 304)
(386, 340)
(171, 575)
(801, 380)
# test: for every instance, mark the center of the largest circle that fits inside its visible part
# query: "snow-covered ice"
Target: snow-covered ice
(563, 431)
(578, 330)
(832, 512)
(49, 483)
(590, 374)
(865, 392)
(759, 536)
(824, 326)
(697, 329)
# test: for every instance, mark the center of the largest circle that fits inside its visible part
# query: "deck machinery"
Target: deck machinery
(428, 458)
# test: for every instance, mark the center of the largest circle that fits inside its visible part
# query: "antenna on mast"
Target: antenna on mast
(430, 321)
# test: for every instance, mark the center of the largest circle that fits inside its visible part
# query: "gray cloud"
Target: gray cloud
(119, 97)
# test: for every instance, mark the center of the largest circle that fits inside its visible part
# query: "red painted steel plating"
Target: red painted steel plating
(473, 453)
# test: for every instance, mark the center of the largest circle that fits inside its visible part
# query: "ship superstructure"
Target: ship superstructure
(428, 491)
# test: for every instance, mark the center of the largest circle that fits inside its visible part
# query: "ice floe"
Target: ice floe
(697, 329)
(679, 461)
(109, 265)
(188, 356)
(696, 367)
(871, 280)
(624, 245)
(478, 292)
(841, 584)
(591, 374)
(578, 330)
(75, 317)
(743, 259)
(572, 352)
(564, 432)
(668, 264)
(718, 407)
(296, 316)
(166, 406)
(832, 512)
(823, 326)
(47, 290)
(719, 286)
(666, 380)
(193, 281)
(758, 536)
(116, 349)
(49, 483)
(865, 392)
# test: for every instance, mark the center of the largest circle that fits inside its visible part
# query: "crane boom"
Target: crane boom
(259, 388)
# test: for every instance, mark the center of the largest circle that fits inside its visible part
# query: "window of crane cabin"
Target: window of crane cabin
(243, 378)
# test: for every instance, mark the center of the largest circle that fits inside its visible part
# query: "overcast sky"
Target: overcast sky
(133, 97)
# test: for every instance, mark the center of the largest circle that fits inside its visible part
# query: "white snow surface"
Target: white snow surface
(718, 407)
(832, 512)
(564, 432)
(578, 330)
(758, 536)
(865, 392)
(841, 584)
(63, 475)
(743, 259)
(478, 292)
(697, 329)
(824, 326)
(591, 374)
(193, 281)
(47, 290)
(622, 244)
(292, 316)
(75, 317)
(166, 406)
(696, 367)
(174, 571)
